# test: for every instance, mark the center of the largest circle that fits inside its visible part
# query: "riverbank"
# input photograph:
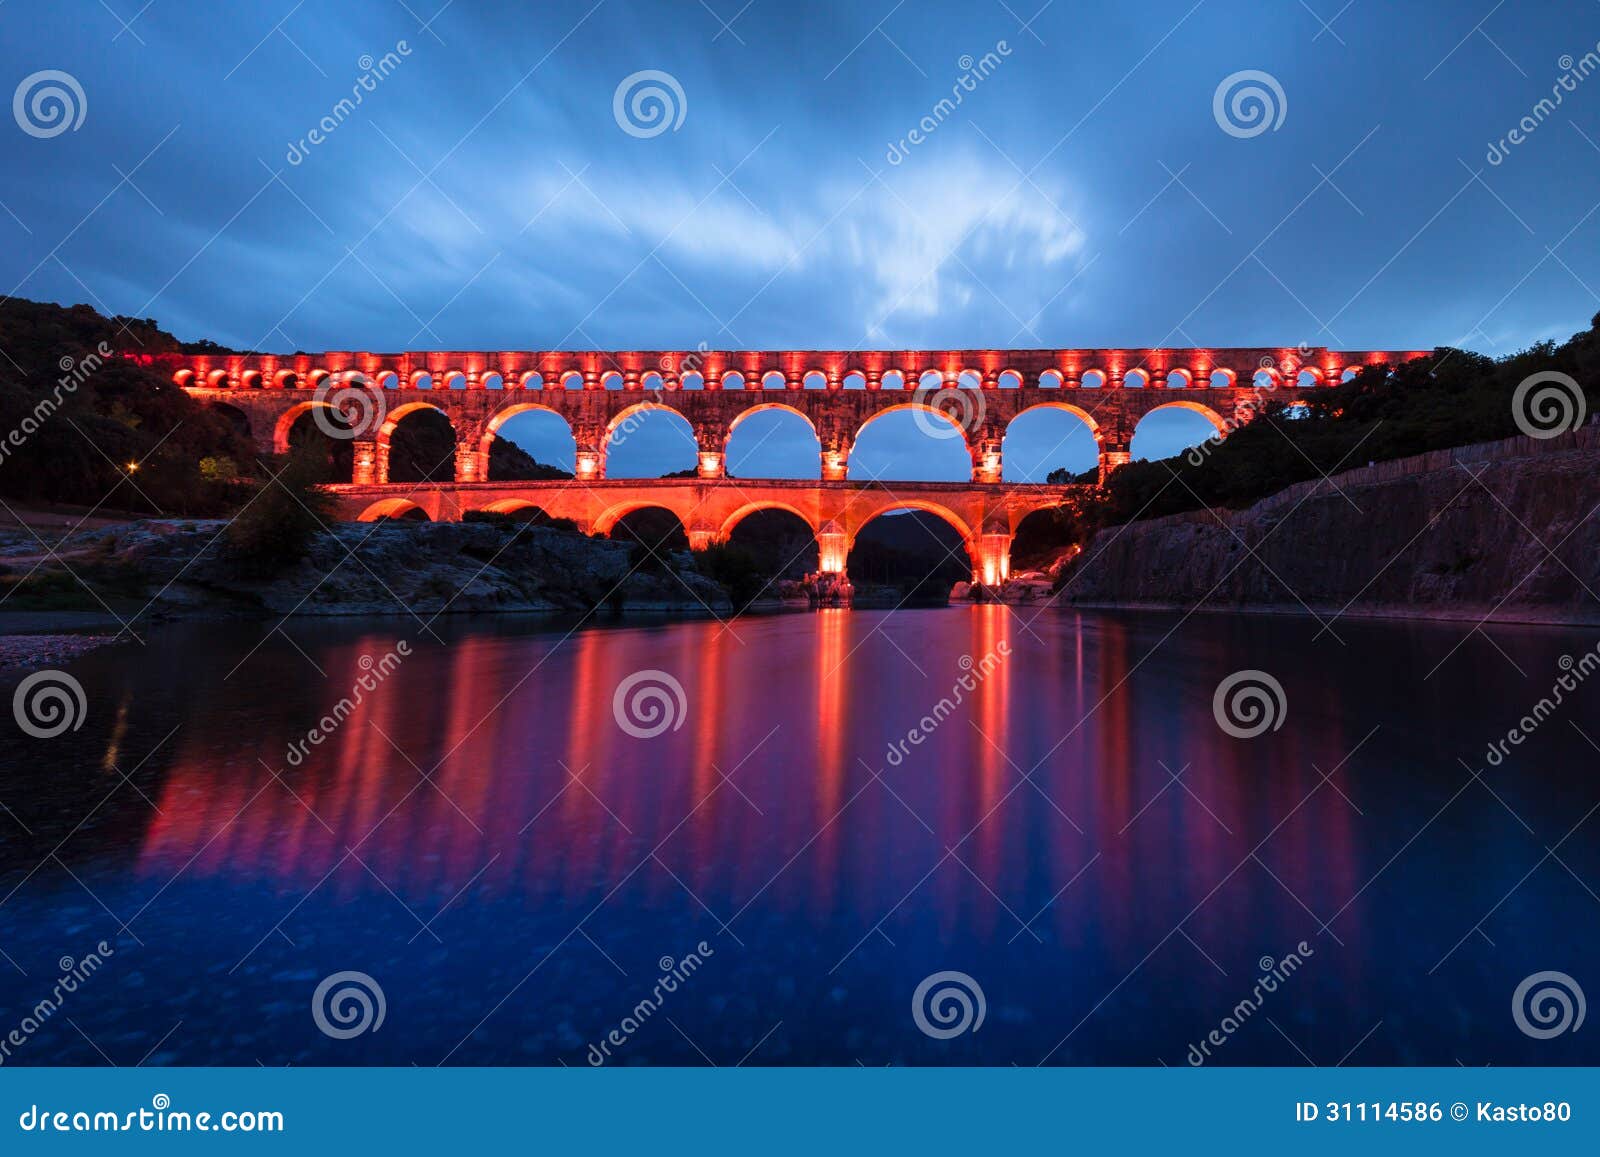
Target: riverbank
(1497, 532)
(163, 569)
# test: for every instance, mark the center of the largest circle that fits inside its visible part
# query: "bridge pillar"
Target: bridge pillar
(365, 458)
(1112, 455)
(833, 548)
(986, 455)
(711, 440)
(589, 463)
(836, 444)
(991, 561)
(472, 463)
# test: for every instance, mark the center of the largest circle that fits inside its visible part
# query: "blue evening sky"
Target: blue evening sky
(483, 194)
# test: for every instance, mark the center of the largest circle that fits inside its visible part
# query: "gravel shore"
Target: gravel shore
(21, 652)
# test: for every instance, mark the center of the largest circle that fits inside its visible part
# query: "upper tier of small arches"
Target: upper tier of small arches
(1064, 369)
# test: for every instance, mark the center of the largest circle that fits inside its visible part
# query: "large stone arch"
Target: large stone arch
(1078, 412)
(491, 428)
(924, 407)
(237, 417)
(889, 505)
(725, 531)
(1023, 456)
(1217, 421)
(607, 519)
(738, 419)
(287, 419)
(804, 468)
(642, 407)
(400, 413)
(389, 508)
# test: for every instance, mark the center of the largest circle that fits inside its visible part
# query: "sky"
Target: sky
(488, 191)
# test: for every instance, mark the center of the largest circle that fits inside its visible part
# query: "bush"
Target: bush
(275, 529)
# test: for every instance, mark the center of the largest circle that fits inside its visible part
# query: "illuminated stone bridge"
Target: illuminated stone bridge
(973, 395)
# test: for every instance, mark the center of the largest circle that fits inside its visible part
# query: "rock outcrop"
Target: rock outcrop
(389, 568)
(1507, 531)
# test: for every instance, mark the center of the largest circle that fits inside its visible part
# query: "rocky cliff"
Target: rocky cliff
(1505, 530)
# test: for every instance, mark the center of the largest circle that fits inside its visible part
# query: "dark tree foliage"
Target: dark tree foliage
(655, 534)
(275, 528)
(1452, 398)
(766, 547)
(75, 412)
(738, 569)
(918, 554)
(1042, 535)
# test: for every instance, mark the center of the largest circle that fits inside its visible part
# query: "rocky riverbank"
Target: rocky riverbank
(162, 569)
(1501, 531)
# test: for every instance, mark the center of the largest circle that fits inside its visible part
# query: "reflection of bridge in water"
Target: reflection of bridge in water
(973, 395)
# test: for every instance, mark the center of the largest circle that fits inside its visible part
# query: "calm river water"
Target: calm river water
(1075, 833)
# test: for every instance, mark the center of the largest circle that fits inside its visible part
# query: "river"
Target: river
(837, 807)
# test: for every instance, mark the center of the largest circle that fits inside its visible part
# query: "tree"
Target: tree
(277, 526)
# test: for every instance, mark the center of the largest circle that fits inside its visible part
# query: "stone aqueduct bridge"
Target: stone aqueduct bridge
(971, 394)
